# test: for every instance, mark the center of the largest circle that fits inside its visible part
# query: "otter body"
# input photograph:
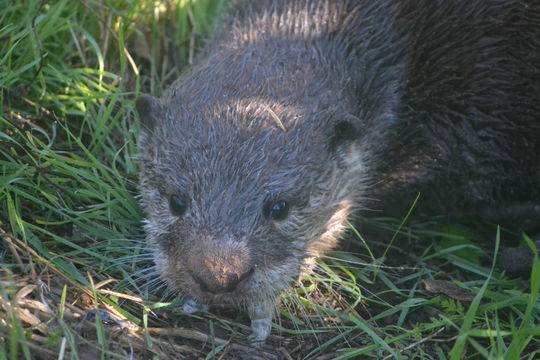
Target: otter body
(300, 113)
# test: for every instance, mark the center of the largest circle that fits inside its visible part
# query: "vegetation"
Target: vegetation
(74, 274)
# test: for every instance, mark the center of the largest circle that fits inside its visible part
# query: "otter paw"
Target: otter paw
(192, 306)
(518, 260)
(260, 330)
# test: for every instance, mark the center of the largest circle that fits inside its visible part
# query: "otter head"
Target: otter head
(244, 185)
(241, 197)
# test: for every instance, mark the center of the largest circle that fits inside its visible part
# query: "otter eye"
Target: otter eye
(178, 205)
(277, 210)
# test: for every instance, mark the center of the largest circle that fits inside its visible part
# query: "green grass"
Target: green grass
(72, 240)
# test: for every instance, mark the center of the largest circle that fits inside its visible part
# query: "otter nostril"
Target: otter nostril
(203, 284)
(225, 283)
(231, 280)
(247, 274)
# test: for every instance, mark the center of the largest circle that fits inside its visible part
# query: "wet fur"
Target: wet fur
(441, 97)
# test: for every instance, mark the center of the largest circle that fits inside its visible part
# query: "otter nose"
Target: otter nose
(222, 282)
(219, 266)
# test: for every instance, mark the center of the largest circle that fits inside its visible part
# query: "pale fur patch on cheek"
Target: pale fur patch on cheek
(157, 228)
(155, 231)
(159, 217)
(334, 228)
(332, 233)
(317, 228)
(160, 260)
(152, 229)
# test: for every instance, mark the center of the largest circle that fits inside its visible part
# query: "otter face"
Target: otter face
(241, 199)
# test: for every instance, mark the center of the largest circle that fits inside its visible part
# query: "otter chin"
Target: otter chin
(300, 114)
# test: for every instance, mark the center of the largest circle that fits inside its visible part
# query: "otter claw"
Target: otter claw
(191, 306)
(260, 331)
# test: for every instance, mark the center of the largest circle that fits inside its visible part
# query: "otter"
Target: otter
(301, 114)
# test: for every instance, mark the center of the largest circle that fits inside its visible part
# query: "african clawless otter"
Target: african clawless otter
(302, 112)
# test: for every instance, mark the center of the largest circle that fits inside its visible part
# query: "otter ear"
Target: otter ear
(345, 130)
(150, 110)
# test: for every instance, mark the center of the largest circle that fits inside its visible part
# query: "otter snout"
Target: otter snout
(218, 267)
